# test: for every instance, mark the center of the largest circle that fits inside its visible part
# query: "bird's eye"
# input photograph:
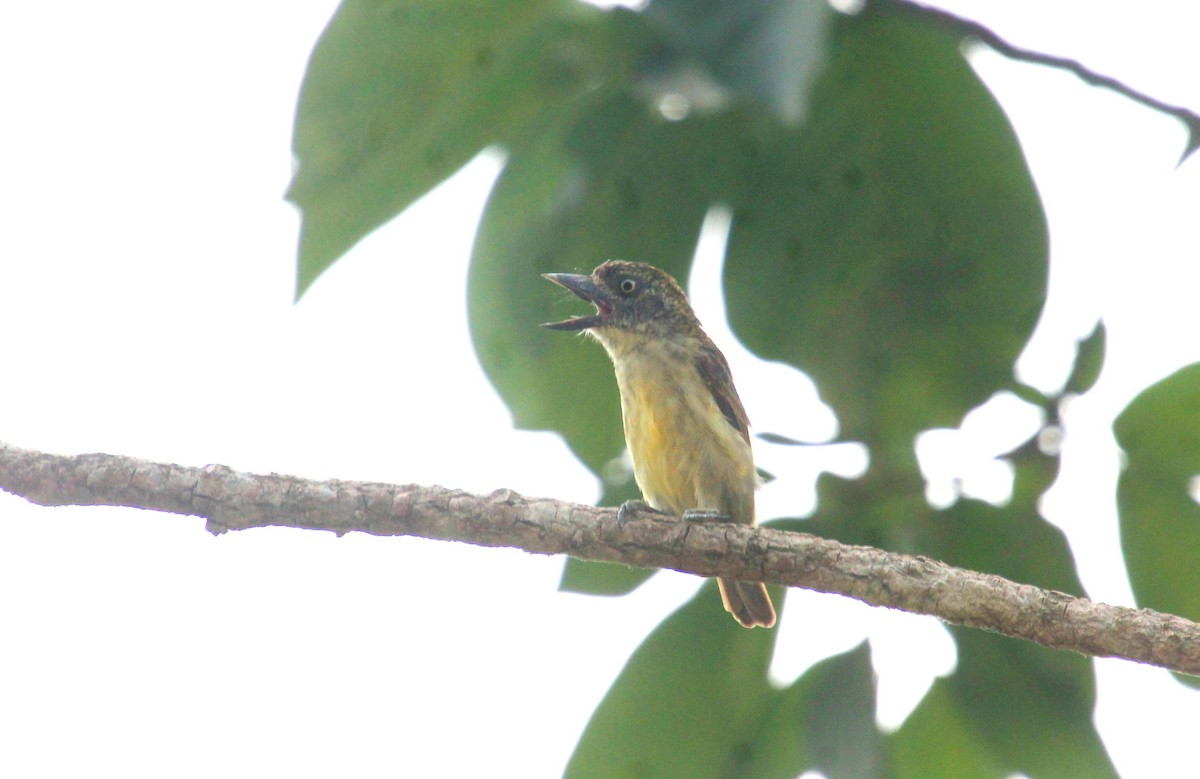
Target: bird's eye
(628, 286)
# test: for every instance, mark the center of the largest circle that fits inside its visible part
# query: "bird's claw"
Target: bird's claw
(631, 508)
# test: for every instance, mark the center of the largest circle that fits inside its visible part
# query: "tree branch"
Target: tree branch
(232, 500)
(971, 29)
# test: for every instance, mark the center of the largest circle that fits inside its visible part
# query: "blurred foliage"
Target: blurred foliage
(886, 239)
(1088, 361)
(400, 94)
(868, 246)
(1157, 493)
(694, 702)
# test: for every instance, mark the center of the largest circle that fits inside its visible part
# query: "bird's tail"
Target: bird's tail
(748, 602)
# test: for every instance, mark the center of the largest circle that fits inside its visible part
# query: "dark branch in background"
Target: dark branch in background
(231, 500)
(971, 29)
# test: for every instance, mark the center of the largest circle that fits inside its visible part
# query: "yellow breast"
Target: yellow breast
(686, 454)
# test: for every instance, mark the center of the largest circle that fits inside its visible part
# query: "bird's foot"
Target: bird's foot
(706, 515)
(631, 508)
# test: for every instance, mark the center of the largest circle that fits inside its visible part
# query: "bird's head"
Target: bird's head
(632, 299)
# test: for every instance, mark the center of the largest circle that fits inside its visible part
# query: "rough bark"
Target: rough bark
(232, 500)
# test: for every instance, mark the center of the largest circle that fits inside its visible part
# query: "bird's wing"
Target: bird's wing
(714, 370)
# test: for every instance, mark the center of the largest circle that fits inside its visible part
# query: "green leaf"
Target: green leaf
(895, 248)
(693, 701)
(824, 721)
(591, 578)
(1010, 707)
(1159, 432)
(937, 741)
(399, 94)
(1031, 706)
(688, 703)
(1089, 359)
(836, 703)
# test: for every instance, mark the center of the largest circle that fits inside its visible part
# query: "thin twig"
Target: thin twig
(971, 29)
(232, 500)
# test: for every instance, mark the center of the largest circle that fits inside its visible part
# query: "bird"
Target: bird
(685, 426)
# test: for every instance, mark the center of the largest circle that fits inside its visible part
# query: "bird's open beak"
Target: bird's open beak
(586, 288)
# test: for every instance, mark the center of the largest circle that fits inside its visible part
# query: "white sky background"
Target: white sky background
(146, 272)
